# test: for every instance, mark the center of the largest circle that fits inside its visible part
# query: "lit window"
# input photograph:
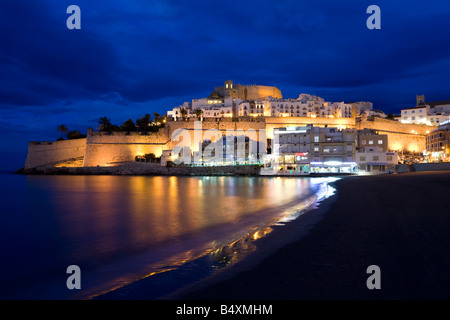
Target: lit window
(380, 141)
(316, 138)
(316, 149)
(370, 141)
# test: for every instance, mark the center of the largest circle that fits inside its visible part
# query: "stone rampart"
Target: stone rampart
(45, 153)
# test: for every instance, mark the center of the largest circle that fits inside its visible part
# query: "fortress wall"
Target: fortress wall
(394, 126)
(108, 154)
(46, 153)
(104, 148)
(258, 92)
(401, 136)
(100, 149)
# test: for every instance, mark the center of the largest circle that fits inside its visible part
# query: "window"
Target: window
(370, 141)
(362, 158)
(413, 118)
(349, 148)
(375, 158)
(389, 158)
(380, 141)
(316, 138)
(316, 149)
(363, 142)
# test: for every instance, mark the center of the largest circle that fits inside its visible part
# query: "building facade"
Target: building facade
(313, 150)
(373, 154)
(240, 101)
(428, 113)
(438, 143)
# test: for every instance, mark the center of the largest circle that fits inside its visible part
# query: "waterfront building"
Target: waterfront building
(428, 113)
(333, 149)
(373, 154)
(313, 149)
(438, 143)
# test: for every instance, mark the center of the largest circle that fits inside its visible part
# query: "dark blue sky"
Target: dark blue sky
(133, 57)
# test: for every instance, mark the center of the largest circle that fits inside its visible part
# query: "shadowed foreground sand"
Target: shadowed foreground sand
(399, 222)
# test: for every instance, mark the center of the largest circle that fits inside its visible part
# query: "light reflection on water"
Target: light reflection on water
(120, 229)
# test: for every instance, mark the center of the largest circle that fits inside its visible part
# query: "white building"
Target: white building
(305, 105)
(297, 150)
(377, 161)
(428, 113)
(253, 108)
(373, 154)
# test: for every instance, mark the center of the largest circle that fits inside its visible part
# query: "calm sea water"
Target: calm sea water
(119, 229)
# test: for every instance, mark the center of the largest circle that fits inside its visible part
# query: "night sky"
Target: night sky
(133, 57)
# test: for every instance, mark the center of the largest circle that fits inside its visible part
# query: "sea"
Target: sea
(120, 229)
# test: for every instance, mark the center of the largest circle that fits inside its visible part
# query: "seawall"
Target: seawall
(103, 148)
(419, 167)
(142, 169)
(48, 153)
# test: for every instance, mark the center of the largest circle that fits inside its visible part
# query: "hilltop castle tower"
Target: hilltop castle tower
(420, 100)
(247, 92)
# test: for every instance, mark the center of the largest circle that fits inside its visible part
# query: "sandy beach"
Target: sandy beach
(398, 222)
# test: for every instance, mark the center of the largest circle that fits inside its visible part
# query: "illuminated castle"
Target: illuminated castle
(246, 92)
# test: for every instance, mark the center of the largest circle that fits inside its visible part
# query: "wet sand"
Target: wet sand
(400, 223)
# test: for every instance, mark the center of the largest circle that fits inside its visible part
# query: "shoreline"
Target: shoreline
(406, 236)
(266, 246)
(245, 253)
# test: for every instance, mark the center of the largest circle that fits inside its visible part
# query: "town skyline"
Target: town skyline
(133, 58)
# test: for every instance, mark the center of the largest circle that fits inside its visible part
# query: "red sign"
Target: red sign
(301, 154)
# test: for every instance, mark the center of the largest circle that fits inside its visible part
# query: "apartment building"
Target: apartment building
(428, 113)
(313, 149)
(373, 154)
(438, 143)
